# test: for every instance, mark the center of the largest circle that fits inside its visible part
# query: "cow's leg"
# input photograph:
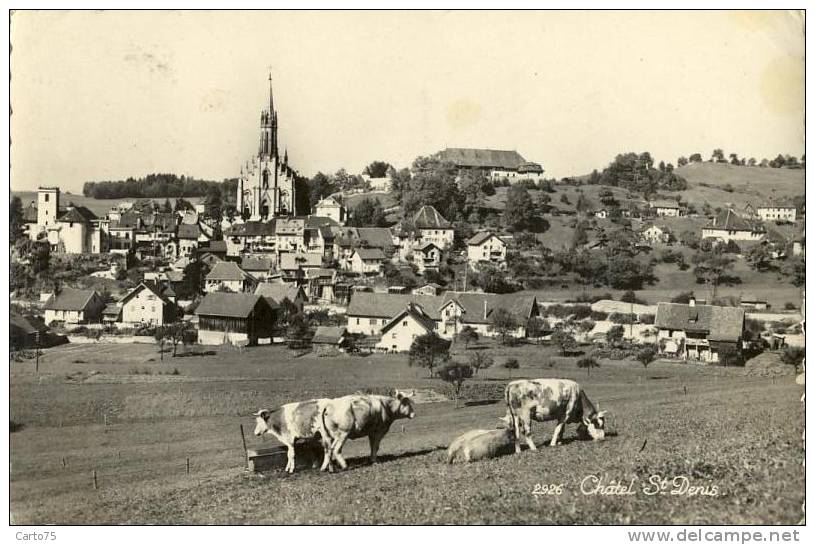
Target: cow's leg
(528, 432)
(336, 449)
(289, 457)
(517, 434)
(374, 441)
(556, 435)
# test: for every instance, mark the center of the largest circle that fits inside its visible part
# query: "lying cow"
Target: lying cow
(360, 415)
(290, 422)
(480, 445)
(551, 399)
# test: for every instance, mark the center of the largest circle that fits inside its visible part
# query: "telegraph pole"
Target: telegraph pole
(37, 352)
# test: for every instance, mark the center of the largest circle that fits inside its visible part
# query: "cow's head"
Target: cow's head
(506, 421)
(405, 409)
(261, 425)
(594, 426)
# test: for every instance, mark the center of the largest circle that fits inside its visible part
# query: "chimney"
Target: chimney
(485, 309)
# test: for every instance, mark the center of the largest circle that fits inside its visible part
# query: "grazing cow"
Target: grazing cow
(551, 399)
(481, 444)
(289, 422)
(360, 415)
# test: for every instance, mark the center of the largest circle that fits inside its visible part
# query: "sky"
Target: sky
(109, 95)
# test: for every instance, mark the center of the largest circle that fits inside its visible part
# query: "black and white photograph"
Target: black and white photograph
(407, 267)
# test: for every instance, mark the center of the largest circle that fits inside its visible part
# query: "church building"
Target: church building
(266, 184)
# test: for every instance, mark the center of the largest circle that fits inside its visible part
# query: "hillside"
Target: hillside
(100, 207)
(755, 185)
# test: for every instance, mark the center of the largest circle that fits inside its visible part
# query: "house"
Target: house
(329, 340)
(749, 300)
(218, 248)
(656, 234)
(601, 213)
(290, 235)
(431, 226)
(777, 213)
(486, 247)
(477, 310)
(27, 332)
(400, 332)
(145, 304)
(76, 231)
(228, 275)
(727, 226)
(332, 207)
(495, 164)
(188, 237)
(367, 260)
(112, 313)
(74, 306)
(666, 209)
(427, 256)
(293, 266)
(382, 183)
(369, 312)
(259, 267)
(234, 318)
(698, 332)
(277, 292)
(255, 237)
(123, 230)
(429, 289)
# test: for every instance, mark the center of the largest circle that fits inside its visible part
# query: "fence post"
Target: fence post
(64, 463)
(188, 465)
(245, 453)
(95, 483)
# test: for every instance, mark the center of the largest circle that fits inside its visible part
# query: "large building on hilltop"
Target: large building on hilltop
(496, 164)
(266, 184)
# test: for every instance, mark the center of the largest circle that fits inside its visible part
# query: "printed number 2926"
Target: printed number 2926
(547, 489)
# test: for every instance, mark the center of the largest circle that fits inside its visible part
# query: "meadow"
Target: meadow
(136, 421)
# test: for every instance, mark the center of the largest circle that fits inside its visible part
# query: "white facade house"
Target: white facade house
(432, 227)
(367, 260)
(400, 332)
(728, 226)
(74, 307)
(427, 256)
(666, 209)
(144, 304)
(777, 213)
(486, 247)
(656, 234)
(331, 207)
(226, 275)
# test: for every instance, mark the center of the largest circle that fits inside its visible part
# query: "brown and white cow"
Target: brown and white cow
(290, 422)
(477, 445)
(360, 415)
(551, 399)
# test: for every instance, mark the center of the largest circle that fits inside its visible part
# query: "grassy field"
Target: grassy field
(739, 433)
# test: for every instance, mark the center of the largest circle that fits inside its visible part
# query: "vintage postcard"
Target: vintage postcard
(407, 268)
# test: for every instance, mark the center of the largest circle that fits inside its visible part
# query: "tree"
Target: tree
(467, 335)
(455, 374)
(536, 327)
(614, 336)
(795, 269)
(690, 239)
(298, 329)
(752, 161)
(368, 213)
(428, 351)
(683, 298)
(175, 333)
(718, 156)
(682, 161)
(587, 363)
(712, 266)
(759, 257)
(192, 283)
(377, 169)
(511, 363)
(563, 339)
(734, 159)
(519, 213)
(480, 360)
(504, 323)
(793, 355)
(15, 216)
(695, 158)
(645, 356)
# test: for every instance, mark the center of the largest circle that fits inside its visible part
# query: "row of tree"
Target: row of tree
(718, 156)
(159, 185)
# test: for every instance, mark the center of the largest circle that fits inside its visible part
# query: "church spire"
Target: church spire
(271, 96)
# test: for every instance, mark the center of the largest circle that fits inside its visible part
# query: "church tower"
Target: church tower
(268, 128)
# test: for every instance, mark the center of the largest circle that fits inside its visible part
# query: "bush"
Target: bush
(599, 315)
(631, 297)
(621, 318)
(511, 363)
(618, 354)
(647, 318)
(790, 306)
(683, 297)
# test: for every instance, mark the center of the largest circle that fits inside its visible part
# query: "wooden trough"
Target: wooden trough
(274, 458)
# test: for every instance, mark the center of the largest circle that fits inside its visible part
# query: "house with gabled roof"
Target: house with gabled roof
(727, 226)
(76, 231)
(496, 164)
(477, 310)
(259, 267)
(147, 304)
(430, 226)
(332, 207)
(228, 275)
(427, 256)
(256, 237)
(698, 332)
(368, 312)
(666, 208)
(329, 340)
(277, 292)
(654, 233)
(486, 247)
(74, 306)
(293, 265)
(235, 318)
(400, 332)
(368, 260)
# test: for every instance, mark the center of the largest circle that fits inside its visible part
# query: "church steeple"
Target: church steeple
(268, 128)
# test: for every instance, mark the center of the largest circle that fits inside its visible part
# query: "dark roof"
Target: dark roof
(530, 167)
(518, 304)
(112, 309)
(720, 323)
(189, 232)
(427, 245)
(293, 226)
(417, 313)
(70, 299)
(276, 292)
(730, 221)
(27, 324)
(388, 305)
(368, 254)
(375, 237)
(249, 263)
(127, 220)
(328, 335)
(227, 270)
(251, 229)
(429, 218)
(481, 237)
(482, 158)
(215, 246)
(152, 286)
(751, 298)
(234, 305)
(77, 214)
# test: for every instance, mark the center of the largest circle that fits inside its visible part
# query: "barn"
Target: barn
(235, 318)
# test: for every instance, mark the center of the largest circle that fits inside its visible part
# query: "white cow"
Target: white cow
(290, 422)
